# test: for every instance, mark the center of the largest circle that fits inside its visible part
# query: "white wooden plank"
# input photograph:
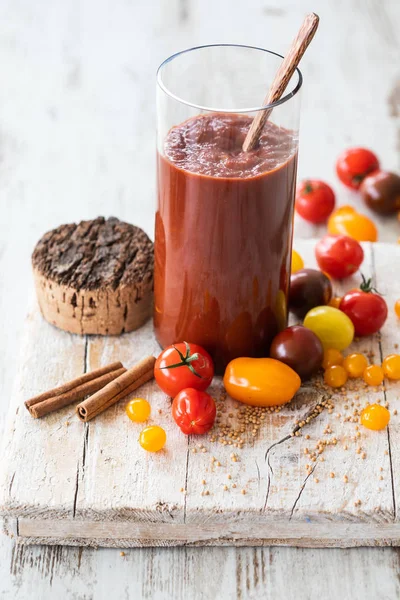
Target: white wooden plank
(208, 487)
(387, 282)
(164, 574)
(118, 479)
(42, 455)
(129, 534)
(364, 484)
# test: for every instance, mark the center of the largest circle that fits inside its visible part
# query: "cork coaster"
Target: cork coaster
(95, 277)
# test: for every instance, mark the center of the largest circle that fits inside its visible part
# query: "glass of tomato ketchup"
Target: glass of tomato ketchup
(224, 219)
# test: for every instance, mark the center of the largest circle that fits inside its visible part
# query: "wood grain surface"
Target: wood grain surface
(94, 485)
(76, 133)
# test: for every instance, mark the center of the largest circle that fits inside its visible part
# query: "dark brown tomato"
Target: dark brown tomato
(308, 288)
(381, 192)
(300, 349)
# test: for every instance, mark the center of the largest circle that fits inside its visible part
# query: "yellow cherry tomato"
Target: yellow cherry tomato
(355, 365)
(335, 302)
(391, 366)
(153, 438)
(331, 325)
(335, 376)
(373, 375)
(332, 357)
(138, 410)
(375, 417)
(353, 224)
(397, 308)
(297, 262)
(260, 381)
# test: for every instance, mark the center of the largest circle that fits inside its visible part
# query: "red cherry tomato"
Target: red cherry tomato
(339, 255)
(181, 366)
(315, 200)
(354, 164)
(194, 411)
(367, 310)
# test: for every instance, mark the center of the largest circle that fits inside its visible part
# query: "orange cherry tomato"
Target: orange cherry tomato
(355, 365)
(397, 308)
(153, 438)
(391, 366)
(138, 410)
(335, 376)
(346, 208)
(373, 375)
(375, 417)
(332, 357)
(261, 381)
(335, 302)
(354, 224)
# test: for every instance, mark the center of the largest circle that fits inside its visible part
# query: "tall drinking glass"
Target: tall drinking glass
(224, 220)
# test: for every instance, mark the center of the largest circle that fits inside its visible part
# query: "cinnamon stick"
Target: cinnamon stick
(73, 395)
(66, 387)
(117, 389)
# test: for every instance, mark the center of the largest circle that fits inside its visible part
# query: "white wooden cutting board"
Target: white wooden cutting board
(65, 482)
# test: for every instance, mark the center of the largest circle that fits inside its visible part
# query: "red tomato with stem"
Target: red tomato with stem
(315, 200)
(183, 366)
(354, 164)
(339, 255)
(365, 308)
(194, 411)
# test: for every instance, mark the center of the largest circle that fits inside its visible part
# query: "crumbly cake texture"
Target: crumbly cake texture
(95, 276)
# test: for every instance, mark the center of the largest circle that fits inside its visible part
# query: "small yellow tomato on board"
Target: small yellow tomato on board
(397, 308)
(153, 438)
(138, 410)
(260, 381)
(391, 366)
(355, 365)
(375, 417)
(297, 262)
(332, 357)
(373, 375)
(335, 376)
(331, 325)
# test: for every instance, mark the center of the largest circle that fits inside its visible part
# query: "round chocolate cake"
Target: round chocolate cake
(95, 277)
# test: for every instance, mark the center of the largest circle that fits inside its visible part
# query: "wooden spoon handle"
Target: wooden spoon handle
(282, 78)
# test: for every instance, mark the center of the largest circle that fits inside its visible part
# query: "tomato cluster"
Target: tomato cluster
(184, 371)
(358, 169)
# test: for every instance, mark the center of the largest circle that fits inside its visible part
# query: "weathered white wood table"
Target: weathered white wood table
(76, 140)
(65, 482)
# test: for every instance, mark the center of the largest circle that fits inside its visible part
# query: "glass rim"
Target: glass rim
(281, 100)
